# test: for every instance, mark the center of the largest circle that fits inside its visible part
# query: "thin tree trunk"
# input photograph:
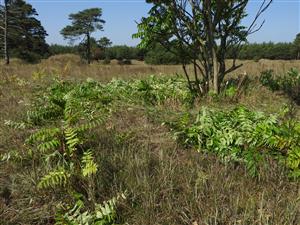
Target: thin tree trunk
(187, 77)
(197, 83)
(212, 45)
(88, 49)
(6, 53)
(215, 71)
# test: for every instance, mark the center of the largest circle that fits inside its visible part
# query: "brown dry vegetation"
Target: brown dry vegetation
(72, 66)
(167, 184)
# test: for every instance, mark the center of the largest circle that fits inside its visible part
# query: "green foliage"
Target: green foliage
(61, 117)
(79, 115)
(242, 135)
(14, 124)
(267, 79)
(230, 91)
(104, 43)
(12, 155)
(61, 147)
(159, 55)
(288, 83)
(98, 52)
(54, 178)
(83, 24)
(59, 121)
(56, 49)
(199, 33)
(121, 52)
(89, 167)
(152, 90)
(103, 214)
(270, 50)
(26, 35)
(296, 44)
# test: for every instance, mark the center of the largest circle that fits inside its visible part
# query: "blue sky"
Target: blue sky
(282, 18)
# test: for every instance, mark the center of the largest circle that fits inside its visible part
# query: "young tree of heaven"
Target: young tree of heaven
(202, 31)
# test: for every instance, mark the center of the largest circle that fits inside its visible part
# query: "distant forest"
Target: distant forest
(23, 36)
(159, 55)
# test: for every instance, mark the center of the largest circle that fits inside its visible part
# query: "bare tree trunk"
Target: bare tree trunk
(6, 53)
(215, 71)
(212, 46)
(88, 48)
(187, 77)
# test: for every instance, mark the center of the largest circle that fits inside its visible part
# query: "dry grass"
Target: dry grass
(167, 184)
(172, 185)
(72, 66)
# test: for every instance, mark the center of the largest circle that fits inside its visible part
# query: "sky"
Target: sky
(282, 19)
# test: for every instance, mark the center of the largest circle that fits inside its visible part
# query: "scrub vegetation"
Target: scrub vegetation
(99, 137)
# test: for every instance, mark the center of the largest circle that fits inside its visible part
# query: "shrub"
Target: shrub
(106, 61)
(60, 120)
(242, 135)
(124, 62)
(288, 83)
(267, 79)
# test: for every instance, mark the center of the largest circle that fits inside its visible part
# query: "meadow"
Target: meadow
(129, 144)
(73, 67)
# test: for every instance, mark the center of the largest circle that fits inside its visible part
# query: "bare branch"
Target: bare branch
(263, 7)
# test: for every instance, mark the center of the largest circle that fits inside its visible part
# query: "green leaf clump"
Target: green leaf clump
(242, 135)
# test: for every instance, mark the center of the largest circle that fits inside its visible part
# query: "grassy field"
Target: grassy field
(166, 181)
(71, 66)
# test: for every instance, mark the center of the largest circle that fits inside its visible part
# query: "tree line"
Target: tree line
(98, 52)
(249, 51)
(160, 55)
(270, 50)
(23, 36)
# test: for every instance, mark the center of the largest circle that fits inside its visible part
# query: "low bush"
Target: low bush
(242, 135)
(60, 120)
(124, 62)
(106, 61)
(152, 90)
(289, 83)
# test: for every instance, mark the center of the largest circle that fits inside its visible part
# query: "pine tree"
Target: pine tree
(23, 35)
(83, 24)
